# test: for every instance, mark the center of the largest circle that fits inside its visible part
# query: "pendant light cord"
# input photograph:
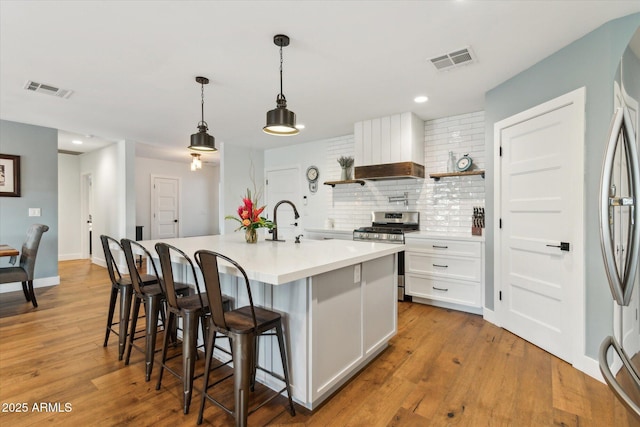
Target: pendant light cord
(202, 100)
(281, 61)
(202, 122)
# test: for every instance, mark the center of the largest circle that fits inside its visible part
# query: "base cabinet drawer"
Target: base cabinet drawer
(453, 291)
(444, 247)
(447, 267)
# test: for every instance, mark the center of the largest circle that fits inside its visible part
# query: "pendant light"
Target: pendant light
(281, 121)
(202, 141)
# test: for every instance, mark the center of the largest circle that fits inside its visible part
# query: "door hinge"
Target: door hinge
(500, 223)
(267, 182)
(501, 151)
(500, 295)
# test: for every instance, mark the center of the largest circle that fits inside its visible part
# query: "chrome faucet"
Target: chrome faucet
(274, 230)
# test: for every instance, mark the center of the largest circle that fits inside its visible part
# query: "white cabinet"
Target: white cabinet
(391, 139)
(446, 273)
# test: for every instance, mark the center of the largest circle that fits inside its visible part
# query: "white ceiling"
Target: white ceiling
(132, 65)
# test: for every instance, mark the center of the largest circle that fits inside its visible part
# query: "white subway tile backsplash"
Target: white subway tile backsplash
(445, 205)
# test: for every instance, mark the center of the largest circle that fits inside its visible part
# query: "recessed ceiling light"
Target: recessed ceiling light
(77, 142)
(300, 126)
(420, 99)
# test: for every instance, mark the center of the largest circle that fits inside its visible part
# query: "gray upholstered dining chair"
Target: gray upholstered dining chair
(24, 271)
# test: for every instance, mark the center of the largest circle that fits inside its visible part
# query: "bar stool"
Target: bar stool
(243, 326)
(120, 285)
(152, 296)
(192, 309)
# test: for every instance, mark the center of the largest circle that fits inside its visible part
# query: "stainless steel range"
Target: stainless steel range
(390, 227)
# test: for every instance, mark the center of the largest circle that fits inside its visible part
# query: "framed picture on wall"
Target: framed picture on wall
(9, 175)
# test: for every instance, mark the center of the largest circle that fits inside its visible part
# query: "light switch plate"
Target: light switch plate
(356, 273)
(34, 211)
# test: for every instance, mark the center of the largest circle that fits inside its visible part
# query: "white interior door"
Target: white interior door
(284, 184)
(540, 204)
(165, 203)
(86, 216)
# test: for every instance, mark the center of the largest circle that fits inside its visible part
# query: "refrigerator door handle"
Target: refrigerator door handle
(610, 378)
(621, 285)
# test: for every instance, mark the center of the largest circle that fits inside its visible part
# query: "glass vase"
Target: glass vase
(346, 174)
(251, 235)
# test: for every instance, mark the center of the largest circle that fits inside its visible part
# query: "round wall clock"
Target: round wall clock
(464, 163)
(312, 176)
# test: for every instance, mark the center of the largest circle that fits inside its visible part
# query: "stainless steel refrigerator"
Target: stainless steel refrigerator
(620, 232)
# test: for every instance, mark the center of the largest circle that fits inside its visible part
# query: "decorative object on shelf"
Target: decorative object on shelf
(477, 221)
(464, 163)
(249, 217)
(281, 121)
(202, 141)
(451, 164)
(346, 163)
(9, 175)
(196, 163)
(312, 176)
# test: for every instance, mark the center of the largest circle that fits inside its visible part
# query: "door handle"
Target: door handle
(175, 220)
(564, 246)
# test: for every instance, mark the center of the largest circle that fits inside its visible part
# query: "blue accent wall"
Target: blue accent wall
(38, 150)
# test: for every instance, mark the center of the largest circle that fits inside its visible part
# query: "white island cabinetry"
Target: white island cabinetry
(445, 271)
(337, 298)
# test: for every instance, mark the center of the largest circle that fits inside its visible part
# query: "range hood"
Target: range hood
(390, 147)
(400, 170)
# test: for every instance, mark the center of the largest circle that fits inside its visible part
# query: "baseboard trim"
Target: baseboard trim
(69, 257)
(37, 283)
(590, 367)
(490, 316)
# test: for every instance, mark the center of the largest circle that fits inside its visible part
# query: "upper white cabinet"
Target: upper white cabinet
(391, 139)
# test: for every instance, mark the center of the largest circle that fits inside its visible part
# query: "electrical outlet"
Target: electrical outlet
(356, 274)
(34, 211)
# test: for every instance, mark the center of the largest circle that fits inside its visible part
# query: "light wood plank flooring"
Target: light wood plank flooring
(443, 368)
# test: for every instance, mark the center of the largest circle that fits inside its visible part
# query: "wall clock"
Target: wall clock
(464, 163)
(312, 176)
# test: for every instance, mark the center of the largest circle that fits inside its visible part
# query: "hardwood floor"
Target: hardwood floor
(443, 368)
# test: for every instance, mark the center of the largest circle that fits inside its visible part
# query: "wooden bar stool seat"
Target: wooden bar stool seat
(192, 309)
(121, 286)
(153, 296)
(243, 326)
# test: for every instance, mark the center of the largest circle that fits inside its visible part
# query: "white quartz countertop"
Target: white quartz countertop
(282, 262)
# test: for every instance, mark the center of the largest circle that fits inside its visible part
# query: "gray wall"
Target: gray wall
(38, 151)
(591, 62)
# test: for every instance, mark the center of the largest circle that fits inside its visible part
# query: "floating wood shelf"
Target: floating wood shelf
(437, 176)
(349, 181)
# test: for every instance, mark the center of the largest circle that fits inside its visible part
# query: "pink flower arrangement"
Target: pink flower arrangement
(249, 214)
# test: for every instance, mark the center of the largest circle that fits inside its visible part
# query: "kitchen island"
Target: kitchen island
(337, 298)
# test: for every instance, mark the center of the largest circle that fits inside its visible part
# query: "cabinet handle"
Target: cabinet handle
(439, 265)
(440, 247)
(440, 289)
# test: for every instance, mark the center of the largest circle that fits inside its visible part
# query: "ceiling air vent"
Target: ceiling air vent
(453, 59)
(48, 89)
